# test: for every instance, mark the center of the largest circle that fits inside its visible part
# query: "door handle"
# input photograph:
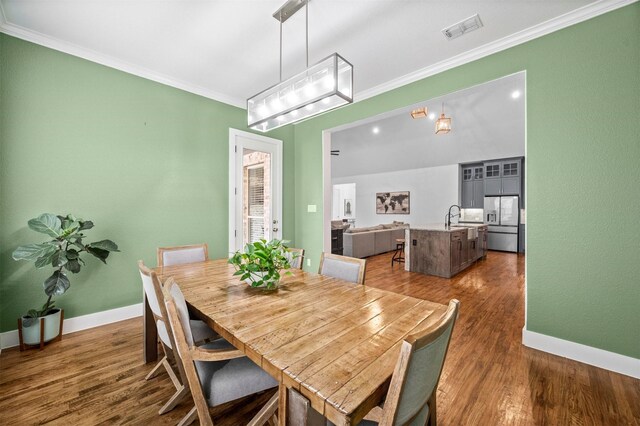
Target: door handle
(275, 229)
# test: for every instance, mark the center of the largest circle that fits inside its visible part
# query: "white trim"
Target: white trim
(327, 191)
(589, 355)
(571, 18)
(563, 21)
(10, 339)
(260, 143)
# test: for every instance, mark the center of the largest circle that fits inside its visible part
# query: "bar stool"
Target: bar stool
(398, 256)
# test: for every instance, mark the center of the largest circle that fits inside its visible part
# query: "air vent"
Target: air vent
(463, 27)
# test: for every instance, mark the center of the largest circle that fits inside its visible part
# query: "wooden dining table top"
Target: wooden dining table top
(333, 341)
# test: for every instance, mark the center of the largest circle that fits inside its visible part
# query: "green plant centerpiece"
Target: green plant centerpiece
(63, 252)
(262, 263)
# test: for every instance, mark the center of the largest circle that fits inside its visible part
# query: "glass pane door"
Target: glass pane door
(256, 205)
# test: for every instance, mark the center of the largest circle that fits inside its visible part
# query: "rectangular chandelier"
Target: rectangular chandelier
(320, 88)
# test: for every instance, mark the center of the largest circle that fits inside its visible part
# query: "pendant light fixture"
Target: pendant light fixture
(419, 113)
(443, 124)
(320, 88)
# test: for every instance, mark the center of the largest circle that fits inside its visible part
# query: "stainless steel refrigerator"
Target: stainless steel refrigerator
(502, 216)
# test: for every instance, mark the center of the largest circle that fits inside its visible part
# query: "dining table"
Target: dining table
(334, 342)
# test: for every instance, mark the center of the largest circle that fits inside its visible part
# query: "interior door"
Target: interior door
(255, 192)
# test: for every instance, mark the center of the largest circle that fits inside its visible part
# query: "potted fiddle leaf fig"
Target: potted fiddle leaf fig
(63, 252)
(262, 262)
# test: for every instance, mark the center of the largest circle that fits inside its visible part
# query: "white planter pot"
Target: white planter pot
(31, 334)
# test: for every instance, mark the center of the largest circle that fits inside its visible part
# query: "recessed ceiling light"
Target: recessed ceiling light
(432, 116)
(375, 130)
(515, 94)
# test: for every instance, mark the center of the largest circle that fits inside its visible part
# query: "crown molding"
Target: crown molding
(111, 62)
(571, 18)
(563, 21)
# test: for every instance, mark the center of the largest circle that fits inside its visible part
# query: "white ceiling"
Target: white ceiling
(228, 50)
(487, 123)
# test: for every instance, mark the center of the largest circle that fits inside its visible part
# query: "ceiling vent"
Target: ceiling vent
(461, 28)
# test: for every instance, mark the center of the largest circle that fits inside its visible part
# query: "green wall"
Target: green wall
(583, 153)
(146, 162)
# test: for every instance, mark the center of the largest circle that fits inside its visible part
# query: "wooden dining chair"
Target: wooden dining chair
(411, 398)
(343, 267)
(179, 255)
(216, 372)
(297, 258)
(154, 296)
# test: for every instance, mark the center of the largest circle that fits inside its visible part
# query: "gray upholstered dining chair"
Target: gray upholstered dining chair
(201, 332)
(179, 255)
(411, 399)
(216, 372)
(343, 267)
(297, 258)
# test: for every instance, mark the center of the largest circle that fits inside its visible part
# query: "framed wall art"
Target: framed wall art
(392, 202)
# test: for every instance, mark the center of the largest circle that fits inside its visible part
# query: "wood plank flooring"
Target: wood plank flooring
(97, 376)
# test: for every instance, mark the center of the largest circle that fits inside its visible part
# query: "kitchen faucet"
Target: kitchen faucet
(448, 216)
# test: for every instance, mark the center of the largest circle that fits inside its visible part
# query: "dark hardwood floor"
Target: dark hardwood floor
(97, 376)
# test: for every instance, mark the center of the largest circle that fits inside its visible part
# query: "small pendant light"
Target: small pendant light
(443, 124)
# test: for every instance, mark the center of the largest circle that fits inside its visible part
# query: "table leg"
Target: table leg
(149, 333)
(282, 405)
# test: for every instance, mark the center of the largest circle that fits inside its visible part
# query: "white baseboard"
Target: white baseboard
(10, 339)
(589, 355)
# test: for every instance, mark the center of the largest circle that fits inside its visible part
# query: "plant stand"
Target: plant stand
(24, 346)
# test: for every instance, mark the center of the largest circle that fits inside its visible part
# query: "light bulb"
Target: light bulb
(309, 107)
(375, 130)
(263, 110)
(326, 101)
(294, 113)
(292, 98)
(280, 118)
(432, 116)
(515, 94)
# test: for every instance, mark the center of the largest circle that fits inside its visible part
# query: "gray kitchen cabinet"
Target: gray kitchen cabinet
(492, 170)
(472, 187)
(478, 194)
(502, 177)
(510, 168)
(492, 187)
(466, 201)
(510, 186)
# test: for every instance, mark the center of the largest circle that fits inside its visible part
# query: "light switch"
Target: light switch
(311, 208)
(308, 262)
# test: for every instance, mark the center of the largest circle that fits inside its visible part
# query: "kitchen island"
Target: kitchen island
(444, 251)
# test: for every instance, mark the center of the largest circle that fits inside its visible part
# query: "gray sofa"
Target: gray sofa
(364, 242)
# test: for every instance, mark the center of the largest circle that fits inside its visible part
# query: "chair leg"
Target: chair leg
(433, 418)
(174, 400)
(153, 373)
(189, 418)
(266, 413)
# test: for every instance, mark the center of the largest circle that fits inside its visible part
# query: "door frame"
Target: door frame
(235, 201)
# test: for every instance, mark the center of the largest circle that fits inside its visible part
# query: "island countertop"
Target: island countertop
(440, 227)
